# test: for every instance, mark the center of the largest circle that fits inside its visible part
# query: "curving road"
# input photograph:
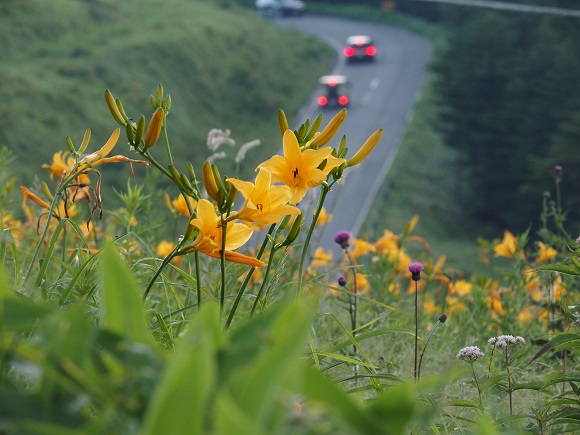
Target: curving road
(382, 95)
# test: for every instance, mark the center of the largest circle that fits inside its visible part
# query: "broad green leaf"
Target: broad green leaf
(122, 310)
(230, 418)
(395, 407)
(562, 268)
(321, 391)
(259, 385)
(180, 405)
(464, 404)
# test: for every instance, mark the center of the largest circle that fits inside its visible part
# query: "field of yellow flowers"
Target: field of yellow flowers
(242, 323)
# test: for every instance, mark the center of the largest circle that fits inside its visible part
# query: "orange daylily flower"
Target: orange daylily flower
(209, 239)
(299, 169)
(507, 247)
(361, 247)
(321, 258)
(265, 204)
(545, 253)
(100, 157)
(323, 217)
(62, 162)
(180, 205)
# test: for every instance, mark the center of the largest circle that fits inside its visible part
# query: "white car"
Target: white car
(277, 8)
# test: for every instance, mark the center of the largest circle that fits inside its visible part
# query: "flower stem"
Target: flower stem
(265, 280)
(248, 277)
(415, 372)
(423, 351)
(477, 386)
(325, 188)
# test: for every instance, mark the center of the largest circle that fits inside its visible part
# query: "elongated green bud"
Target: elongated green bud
(70, 145)
(282, 121)
(314, 128)
(46, 191)
(140, 130)
(167, 103)
(186, 184)
(175, 176)
(330, 130)
(294, 231)
(113, 108)
(153, 101)
(130, 133)
(85, 143)
(159, 92)
(365, 149)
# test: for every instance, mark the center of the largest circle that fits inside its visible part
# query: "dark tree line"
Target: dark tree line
(509, 90)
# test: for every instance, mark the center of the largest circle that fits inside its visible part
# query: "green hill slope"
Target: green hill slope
(224, 66)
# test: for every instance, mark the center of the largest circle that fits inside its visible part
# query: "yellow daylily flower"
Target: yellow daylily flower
(507, 247)
(299, 169)
(321, 258)
(323, 217)
(164, 248)
(361, 247)
(265, 204)
(180, 205)
(545, 253)
(62, 162)
(209, 239)
(61, 210)
(100, 157)
(460, 288)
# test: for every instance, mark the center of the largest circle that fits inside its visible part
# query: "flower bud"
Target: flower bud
(366, 148)
(282, 121)
(209, 182)
(330, 130)
(154, 128)
(113, 108)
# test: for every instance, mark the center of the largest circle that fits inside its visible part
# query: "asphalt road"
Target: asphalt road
(382, 95)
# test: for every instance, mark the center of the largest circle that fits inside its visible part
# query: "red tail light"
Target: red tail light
(322, 100)
(343, 100)
(371, 50)
(349, 51)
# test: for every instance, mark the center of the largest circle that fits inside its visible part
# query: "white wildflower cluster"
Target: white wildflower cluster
(245, 148)
(470, 353)
(216, 156)
(504, 341)
(217, 137)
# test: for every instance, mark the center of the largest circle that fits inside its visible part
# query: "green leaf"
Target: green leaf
(231, 418)
(258, 386)
(122, 310)
(562, 268)
(464, 404)
(180, 405)
(395, 407)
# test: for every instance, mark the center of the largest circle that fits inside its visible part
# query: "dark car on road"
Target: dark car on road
(278, 8)
(359, 48)
(333, 91)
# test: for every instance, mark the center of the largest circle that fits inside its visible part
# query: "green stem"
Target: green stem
(325, 188)
(164, 263)
(248, 277)
(510, 382)
(423, 351)
(265, 280)
(223, 265)
(197, 278)
(166, 137)
(415, 373)
(477, 386)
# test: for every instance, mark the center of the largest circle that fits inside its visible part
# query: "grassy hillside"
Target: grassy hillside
(224, 66)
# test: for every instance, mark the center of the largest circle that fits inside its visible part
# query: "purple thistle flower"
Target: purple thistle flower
(416, 267)
(342, 281)
(558, 170)
(443, 318)
(342, 238)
